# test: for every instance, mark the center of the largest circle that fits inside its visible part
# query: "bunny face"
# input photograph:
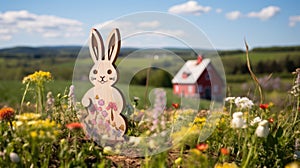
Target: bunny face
(104, 71)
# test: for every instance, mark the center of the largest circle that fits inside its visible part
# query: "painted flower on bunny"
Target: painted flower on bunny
(263, 129)
(104, 113)
(101, 102)
(238, 121)
(112, 106)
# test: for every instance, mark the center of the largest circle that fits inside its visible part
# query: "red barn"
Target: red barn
(198, 78)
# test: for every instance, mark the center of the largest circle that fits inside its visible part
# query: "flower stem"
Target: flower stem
(23, 97)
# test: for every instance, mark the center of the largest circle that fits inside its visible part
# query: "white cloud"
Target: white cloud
(293, 20)
(234, 15)
(150, 24)
(219, 10)
(46, 25)
(265, 13)
(133, 32)
(190, 7)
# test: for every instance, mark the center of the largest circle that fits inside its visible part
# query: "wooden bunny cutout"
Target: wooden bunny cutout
(104, 102)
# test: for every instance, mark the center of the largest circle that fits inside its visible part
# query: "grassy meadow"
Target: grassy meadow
(249, 130)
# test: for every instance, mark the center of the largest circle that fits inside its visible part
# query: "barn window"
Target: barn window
(190, 89)
(200, 88)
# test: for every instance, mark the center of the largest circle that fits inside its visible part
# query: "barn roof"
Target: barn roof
(190, 71)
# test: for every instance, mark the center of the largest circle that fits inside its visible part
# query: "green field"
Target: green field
(12, 92)
(132, 71)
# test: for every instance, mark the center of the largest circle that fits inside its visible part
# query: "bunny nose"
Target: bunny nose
(102, 77)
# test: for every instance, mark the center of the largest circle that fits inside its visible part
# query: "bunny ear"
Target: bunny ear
(96, 45)
(113, 46)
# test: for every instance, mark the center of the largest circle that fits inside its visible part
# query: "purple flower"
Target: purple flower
(101, 102)
(104, 113)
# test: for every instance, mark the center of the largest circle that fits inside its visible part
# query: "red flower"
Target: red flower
(202, 147)
(271, 120)
(224, 151)
(6, 113)
(74, 126)
(264, 106)
(175, 105)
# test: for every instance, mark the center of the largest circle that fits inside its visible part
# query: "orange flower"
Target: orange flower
(271, 120)
(74, 126)
(264, 106)
(175, 105)
(6, 113)
(224, 151)
(202, 147)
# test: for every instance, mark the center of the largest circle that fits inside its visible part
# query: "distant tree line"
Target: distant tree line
(276, 48)
(273, 66)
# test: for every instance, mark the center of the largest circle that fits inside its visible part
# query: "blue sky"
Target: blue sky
(225, 23)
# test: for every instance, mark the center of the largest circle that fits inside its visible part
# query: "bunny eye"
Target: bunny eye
(109, 71)
(95, 71)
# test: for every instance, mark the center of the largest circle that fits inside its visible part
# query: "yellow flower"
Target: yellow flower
(38, 77)
(28, 116)
(42, 133)
(226, 165)
(33, 134)
(293, 165)
(178, 161)
(218, 165)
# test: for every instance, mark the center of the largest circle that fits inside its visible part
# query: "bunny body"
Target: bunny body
(104, 102)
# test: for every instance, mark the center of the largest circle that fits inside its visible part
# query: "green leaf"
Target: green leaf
(270, 140)
(279, 132)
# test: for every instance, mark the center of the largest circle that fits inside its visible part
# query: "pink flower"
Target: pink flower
(101, 102)
(112, 106)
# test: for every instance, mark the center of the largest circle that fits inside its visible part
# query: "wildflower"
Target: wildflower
(14, 157)
(264, 106)
(226, 165)
(33, 134)
(6, 113)
(74, 126)
(202, 147)
(297, 72)
(271, 120)
(175, 105)
(294, 164)
(224, 151)
(28, 116)
(230, 99)
(50, 100)
(108, 150)
(38, 77)
(136, 100)
(237, 120)
(178, 161)
(243, 102)
(71, 97)
(134, 140)
(263, 129)
(255, 120)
